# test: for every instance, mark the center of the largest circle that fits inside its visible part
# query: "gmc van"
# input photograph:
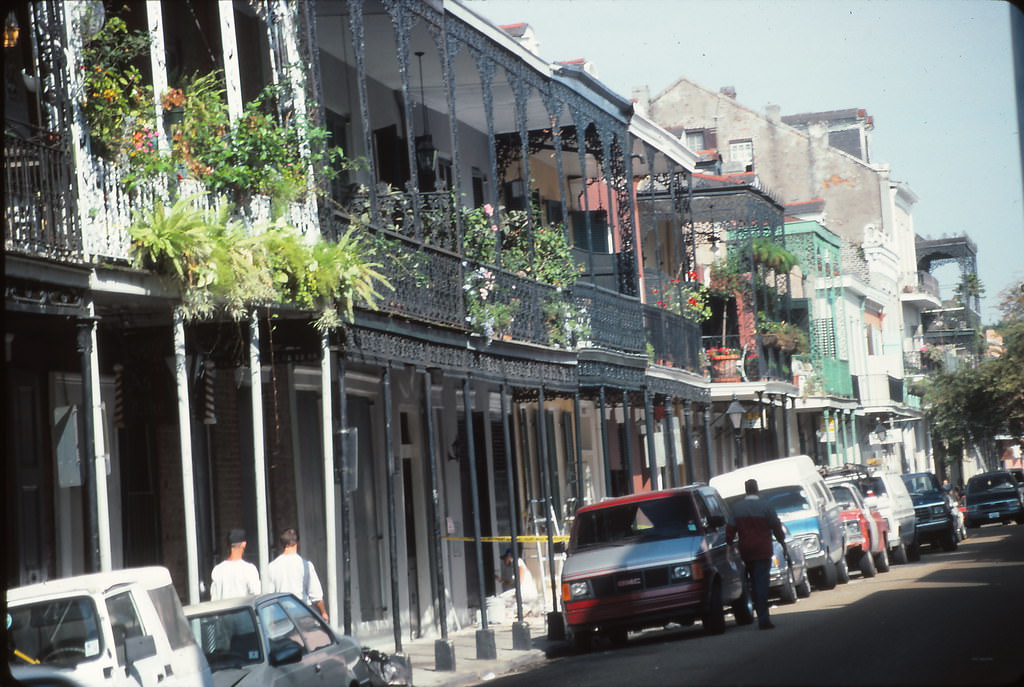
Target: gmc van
(124, 628)
(795, 488)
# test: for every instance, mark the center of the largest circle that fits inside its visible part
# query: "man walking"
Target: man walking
(290, 572)
(755, 521)
(234, 576)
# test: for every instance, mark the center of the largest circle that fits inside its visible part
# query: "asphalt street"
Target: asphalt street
(952, 618)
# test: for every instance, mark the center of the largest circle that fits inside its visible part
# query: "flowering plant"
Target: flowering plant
(487, 311)
(689, 299)
(721, 351)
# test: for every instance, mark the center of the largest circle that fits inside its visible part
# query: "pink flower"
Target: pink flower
(494, 227)
(488, 209)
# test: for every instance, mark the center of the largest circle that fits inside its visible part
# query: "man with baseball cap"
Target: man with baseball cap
(234, 576)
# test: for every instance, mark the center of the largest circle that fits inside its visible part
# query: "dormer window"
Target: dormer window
(741, 153)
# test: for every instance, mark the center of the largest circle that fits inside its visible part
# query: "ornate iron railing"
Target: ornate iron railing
(616, 322)
(38, 200)
(674, 340)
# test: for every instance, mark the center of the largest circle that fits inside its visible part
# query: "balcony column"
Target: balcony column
(258, 447)
(608, 491)
(762, 416)
(652, 459)
(444, 648)
(828, 437)
(786, 444)
(185, 439)
(520, 630)
(688, 448)
(327, 438)
(708, 447)
(93, 473)
(391, 476)
(485, 648)
(581, 490)
(349, 459)
(841, 435)
(627, 440)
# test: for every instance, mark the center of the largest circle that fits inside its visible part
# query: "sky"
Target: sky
(936, 76)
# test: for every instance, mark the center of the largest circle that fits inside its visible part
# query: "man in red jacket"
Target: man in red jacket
(755, 521)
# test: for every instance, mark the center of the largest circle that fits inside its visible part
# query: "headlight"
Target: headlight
(577, 591)
(938, 511)
(810, 543)
(686, 571)
(853, 530)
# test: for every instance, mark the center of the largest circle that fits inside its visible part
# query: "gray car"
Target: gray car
(273, 639)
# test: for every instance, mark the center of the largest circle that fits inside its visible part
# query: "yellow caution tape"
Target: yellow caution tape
(531, 539)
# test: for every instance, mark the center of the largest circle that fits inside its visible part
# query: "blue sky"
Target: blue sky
(936, 75)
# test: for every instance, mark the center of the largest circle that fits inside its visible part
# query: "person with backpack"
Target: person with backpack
(290, 572)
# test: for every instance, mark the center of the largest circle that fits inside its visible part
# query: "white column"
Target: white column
(158, 65)
(330, 514)
(258, 450)
(229, 47)
(185, 438)
(99, 448)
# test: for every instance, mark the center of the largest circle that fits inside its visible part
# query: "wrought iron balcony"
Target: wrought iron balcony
(42, 220)
(674, 340)
(734, 358)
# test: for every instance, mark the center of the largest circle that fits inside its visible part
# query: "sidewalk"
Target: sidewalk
(468, 669)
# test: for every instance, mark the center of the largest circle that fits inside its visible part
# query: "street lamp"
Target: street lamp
(735, 411)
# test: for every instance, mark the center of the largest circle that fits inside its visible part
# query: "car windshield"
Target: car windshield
(62, 632)
(921, 484)
(999, 481)
(786, 499)
(229, 638)
(661, 518)
(845, 498)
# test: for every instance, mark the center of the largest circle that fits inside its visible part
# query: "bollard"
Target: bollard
(444, 655)
(486, 650)
(521, 637)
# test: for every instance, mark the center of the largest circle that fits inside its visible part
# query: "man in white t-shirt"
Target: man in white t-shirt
(234, 576)
(290, 572)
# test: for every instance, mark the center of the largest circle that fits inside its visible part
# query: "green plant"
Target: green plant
(773, 256)
(567, 323)
(217, 262)
(787, 336)
(489, 311)
(115, 101)
(728, 277)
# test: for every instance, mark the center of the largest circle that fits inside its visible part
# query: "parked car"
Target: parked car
(124, 627)
(886, 492)
(934, 509)
(866, 530)
(789, 580)
(794, 487)
(993, 497)
(649, 559)
(273, 639)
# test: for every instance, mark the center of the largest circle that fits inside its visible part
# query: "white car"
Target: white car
(123, 628)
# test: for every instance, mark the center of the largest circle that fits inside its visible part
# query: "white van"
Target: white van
(124, 628)
(795, 488)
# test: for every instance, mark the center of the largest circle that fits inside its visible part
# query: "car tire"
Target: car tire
(787, 593)
(827, 576)
(882, 560)
(842, 571)
(899, 554)
(948, 541)
(617, 638)
(803, 588)
(581, 641)
(867, 564)
(743, 607)
(713, 617)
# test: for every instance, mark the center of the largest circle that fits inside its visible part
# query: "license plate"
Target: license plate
(993, 516)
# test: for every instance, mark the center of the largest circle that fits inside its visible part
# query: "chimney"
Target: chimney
(772, 112)
(728, 91)
(642, 98)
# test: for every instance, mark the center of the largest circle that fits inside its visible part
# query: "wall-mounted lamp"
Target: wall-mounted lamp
(11, 30)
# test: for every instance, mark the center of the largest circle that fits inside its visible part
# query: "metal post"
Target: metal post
(556, 629)
(485, 648)
(258, 449)
(708, 448)
(520, 630)
(651, 457)
(444, 649)
(627, 439)
(389, 453)
(100, 453)
(580, 486)
(90, 476)
(330, 512)
(786, 444)
(764, 425)
(608, 491)
(346, 497)
(185, 437)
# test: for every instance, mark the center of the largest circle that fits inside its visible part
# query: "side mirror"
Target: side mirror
(284, 652)
(138, 648)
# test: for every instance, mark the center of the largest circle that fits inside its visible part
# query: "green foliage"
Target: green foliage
(689, 299)
(567, 324)
(773, 256)
(728, 277)
(216, 262)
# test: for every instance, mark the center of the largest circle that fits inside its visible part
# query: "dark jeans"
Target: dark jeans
(759, 573)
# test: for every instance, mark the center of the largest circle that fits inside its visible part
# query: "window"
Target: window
(742, 151)
(165, 599)
(279, 627)
(596, 240)
(695, 140)
(228, 638)
(62, 632)
(309, 624)
(124, 621)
